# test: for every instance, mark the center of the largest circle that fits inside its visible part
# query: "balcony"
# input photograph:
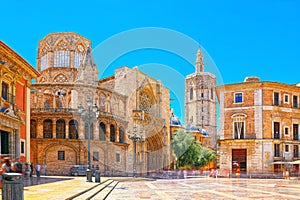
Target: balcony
(66, 110)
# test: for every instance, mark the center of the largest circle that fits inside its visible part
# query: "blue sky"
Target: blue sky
(242, 37)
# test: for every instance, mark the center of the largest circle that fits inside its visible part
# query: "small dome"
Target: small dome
(174, 121)
(194, 129)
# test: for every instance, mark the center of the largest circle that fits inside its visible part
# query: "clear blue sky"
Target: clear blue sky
(242, 37)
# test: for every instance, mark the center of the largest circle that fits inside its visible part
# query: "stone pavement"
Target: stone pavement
(57, 188)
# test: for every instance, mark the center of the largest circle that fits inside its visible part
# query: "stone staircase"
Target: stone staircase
(99, 191)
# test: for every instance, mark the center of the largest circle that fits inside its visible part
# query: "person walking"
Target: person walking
(31, 169)
(38, 170)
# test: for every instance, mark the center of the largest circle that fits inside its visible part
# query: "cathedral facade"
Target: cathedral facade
(200, 101)
(129, 102)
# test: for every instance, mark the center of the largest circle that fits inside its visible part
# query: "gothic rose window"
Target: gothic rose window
(145, 102)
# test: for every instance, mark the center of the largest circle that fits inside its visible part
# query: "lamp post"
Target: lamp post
(135, 138)
(89, 114)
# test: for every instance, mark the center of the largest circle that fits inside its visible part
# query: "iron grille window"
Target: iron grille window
(95, 156)
(61, 155)
(118, 157)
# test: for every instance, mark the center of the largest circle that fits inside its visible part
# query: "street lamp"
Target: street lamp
(89, 114)
(135, 138)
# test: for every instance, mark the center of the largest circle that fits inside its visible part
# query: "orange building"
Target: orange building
(15, 82)
(259, 126)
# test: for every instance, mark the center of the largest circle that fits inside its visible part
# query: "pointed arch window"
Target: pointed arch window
(112, 133)
(102, 131)
(47, 128)
(62, 58)
(73, 129)
(77, 59)
(60, 129)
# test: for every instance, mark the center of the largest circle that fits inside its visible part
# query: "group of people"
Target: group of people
(8, 167)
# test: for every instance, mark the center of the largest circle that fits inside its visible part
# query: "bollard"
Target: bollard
(12, 186)
(89, 175)
(97, 176)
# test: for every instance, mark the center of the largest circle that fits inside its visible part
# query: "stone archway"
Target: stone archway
(59, 158)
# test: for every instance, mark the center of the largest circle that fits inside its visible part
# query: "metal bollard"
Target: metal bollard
(89, 175)
(12, 186)
(97, 176)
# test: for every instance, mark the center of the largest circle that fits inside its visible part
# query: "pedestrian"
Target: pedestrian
(6, 167)
(38, 170)
(31, 169)
(238, 173)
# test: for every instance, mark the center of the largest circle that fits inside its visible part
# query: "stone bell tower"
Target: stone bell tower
(200, 99)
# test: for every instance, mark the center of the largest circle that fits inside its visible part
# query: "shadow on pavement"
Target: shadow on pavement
(31, 181)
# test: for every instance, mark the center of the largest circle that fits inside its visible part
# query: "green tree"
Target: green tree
(189, 152)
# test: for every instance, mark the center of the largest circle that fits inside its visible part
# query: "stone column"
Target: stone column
(107, 132)
(67, 129)
(54, 128)
(39, 128)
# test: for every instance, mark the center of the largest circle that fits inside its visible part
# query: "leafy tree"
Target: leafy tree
(189, 152)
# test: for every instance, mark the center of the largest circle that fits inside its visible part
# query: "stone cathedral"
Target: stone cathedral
(128, 101)
(200, 100)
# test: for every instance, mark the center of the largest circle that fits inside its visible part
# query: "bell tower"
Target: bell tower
(200, 99)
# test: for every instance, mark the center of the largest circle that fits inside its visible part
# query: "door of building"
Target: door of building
(239, 160)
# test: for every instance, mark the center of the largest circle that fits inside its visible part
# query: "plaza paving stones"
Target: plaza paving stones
(209, 188)
(57, 188)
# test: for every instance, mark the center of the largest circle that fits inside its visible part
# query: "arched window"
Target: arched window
(73, 129)
(102, 131)
(122, 134)
(32, 128)
(86, 132)
(60, 129)
(191, 94)
(62, 58)
(112, 133)
(47, 128)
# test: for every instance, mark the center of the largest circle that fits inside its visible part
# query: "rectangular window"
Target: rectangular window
(61, 155)
(239, 131)
(276, 150)
(238, 97)
(287, 148)
(212, 93)
(22, 147)
(118, 157)
(286, 131)
(286, 98)
(296, 151)
(95, 156)
(276, 130)
(295, 132)
(276, 99)
(4, 91)
(295, 101)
